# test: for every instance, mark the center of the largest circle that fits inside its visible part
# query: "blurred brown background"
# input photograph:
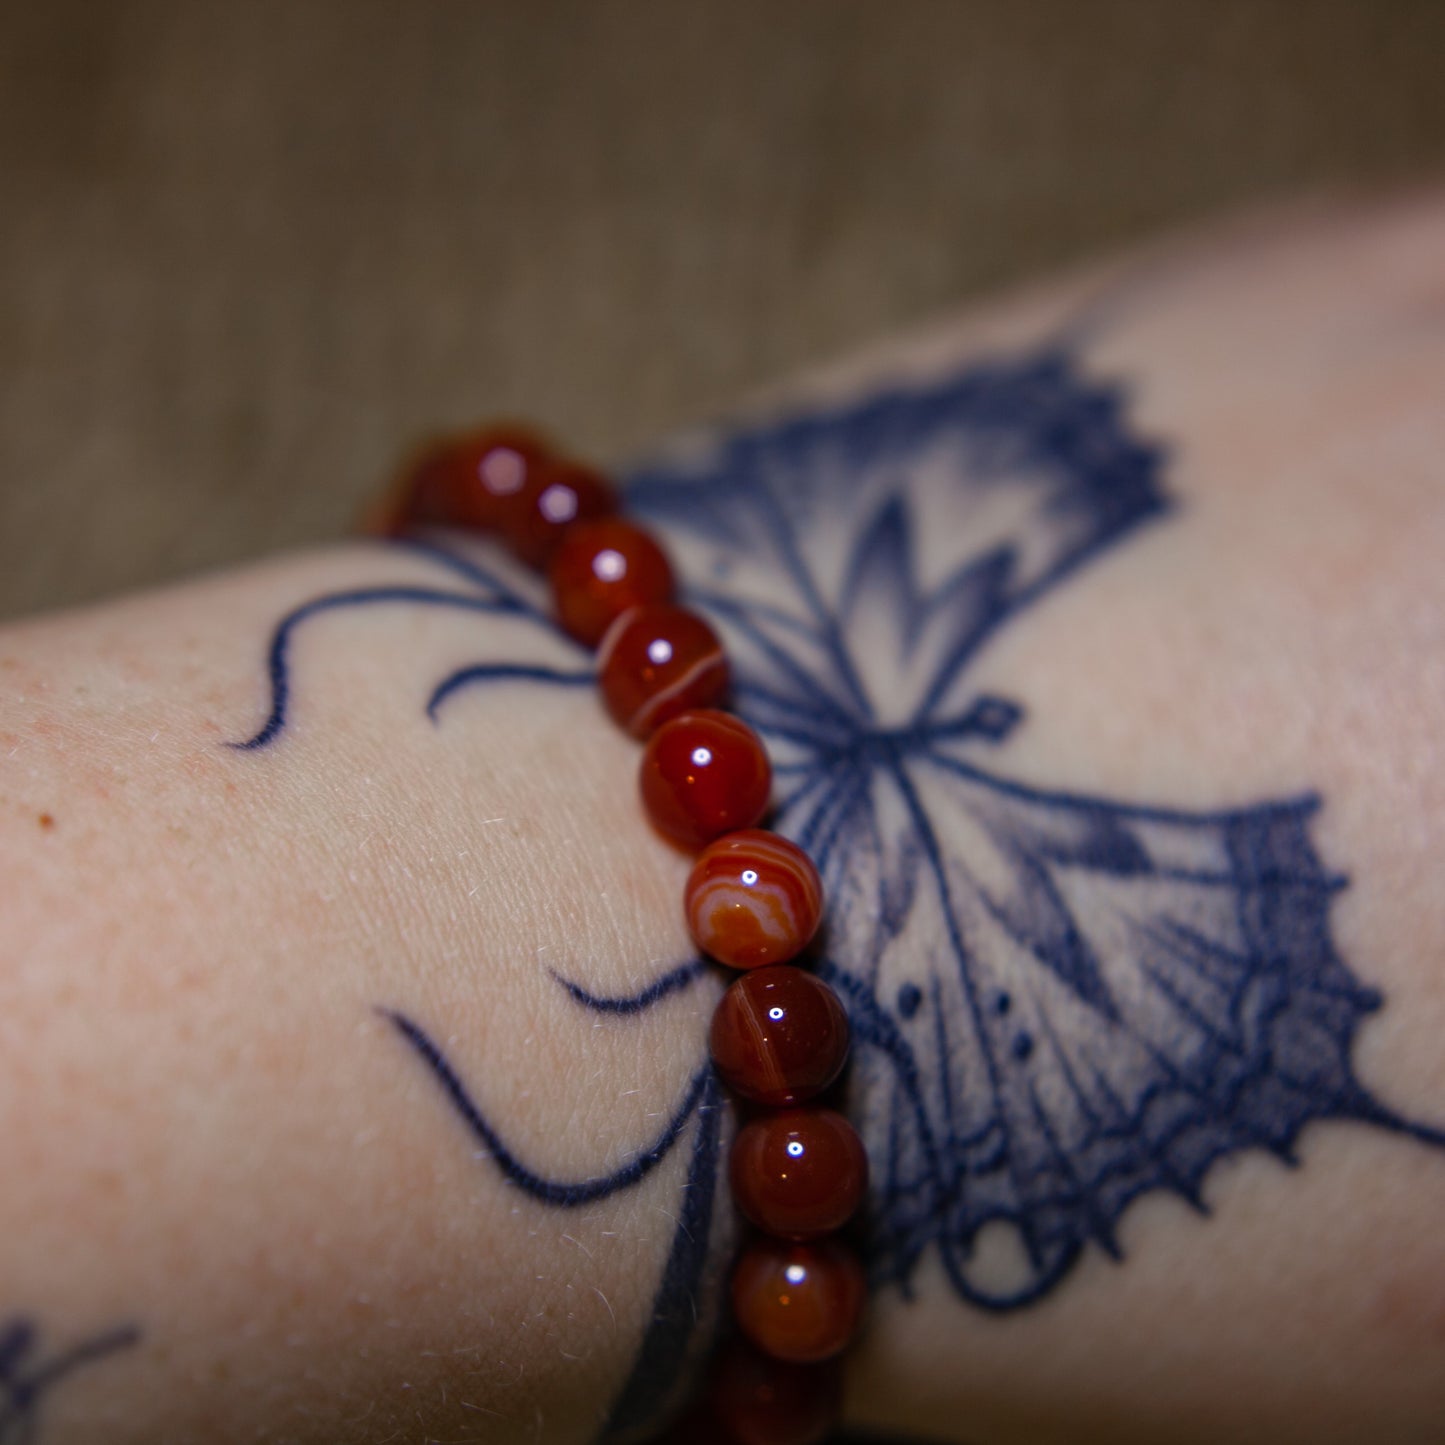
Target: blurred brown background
(248, 250)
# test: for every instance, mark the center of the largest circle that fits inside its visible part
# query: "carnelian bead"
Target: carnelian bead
(799, 1173)
(601, 570)
(779, 1036)
(753, 899)
(555, 496)
(763, 1401)
(491, 475)
(703, 774)
(798, 1302)
(656, 662)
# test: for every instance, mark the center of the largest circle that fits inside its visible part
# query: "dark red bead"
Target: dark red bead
(490, 476)
(601, 570)
(800, 1173)
(763, 1401)
(659, 661)
(556, 496)
(798, 1302)
(779, 1036)
(704, 774)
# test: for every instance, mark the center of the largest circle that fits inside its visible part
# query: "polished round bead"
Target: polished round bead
(779, 1036)
(490, 477)
(763, 1401)
(753, 898)
(704, 774)
(658, 661)
(798, 1302)
(601, 570)
(799, 1173)
(555, 496)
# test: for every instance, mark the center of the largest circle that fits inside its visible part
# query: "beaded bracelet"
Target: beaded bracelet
(753, 901)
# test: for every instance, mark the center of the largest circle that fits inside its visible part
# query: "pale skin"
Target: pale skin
(210, 1132)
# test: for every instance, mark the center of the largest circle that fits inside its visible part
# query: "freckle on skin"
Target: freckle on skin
(47, 821)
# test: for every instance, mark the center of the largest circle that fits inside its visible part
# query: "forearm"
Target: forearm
(295, 1080)
(215, 1132)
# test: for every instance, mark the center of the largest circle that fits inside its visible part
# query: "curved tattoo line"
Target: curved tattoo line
(660, 1363)
(566, 1194)
(277, 660)
(21, 1395)
(675, 980)
(501, 672)
(471, 571)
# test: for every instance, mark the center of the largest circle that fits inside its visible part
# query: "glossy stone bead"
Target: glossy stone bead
(799, 1173)
(753, 898)
(601, 570)
(490, 476)
(763, 1401)
(658, 661)
(555, 496)
(704, 774)
(798, 1302)
(779, 1036)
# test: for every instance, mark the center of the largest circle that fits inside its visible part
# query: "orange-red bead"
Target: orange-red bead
(601, 570)
(799, 1173)
(779, 1036)
(704, 774)
(798, 1302)
(753, 898)
(763, 1401)
(490, 476)
(659, 661)
(556, 495)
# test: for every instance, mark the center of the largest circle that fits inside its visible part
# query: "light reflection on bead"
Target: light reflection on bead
(798, 1302)
(798, 1173)
(602, 569)
(753, 898)
(659, 661)
(703, 774)
(779, 1035)
(553, 497)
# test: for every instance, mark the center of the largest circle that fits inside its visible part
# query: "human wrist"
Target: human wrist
(216, 1015)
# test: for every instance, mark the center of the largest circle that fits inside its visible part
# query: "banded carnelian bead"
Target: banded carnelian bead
(753, 898)
(490, 475)
(705, 773)
(659, 661)
(779, 1036)
(799, 1173)
(556, 495)
(798, 1302)
(601, 570)
(763, 1401)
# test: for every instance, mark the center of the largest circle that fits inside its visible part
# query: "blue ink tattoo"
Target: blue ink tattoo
(26, 1382)
(1060, 1002)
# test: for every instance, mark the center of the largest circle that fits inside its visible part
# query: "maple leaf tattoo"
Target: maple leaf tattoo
(1060, 1002)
